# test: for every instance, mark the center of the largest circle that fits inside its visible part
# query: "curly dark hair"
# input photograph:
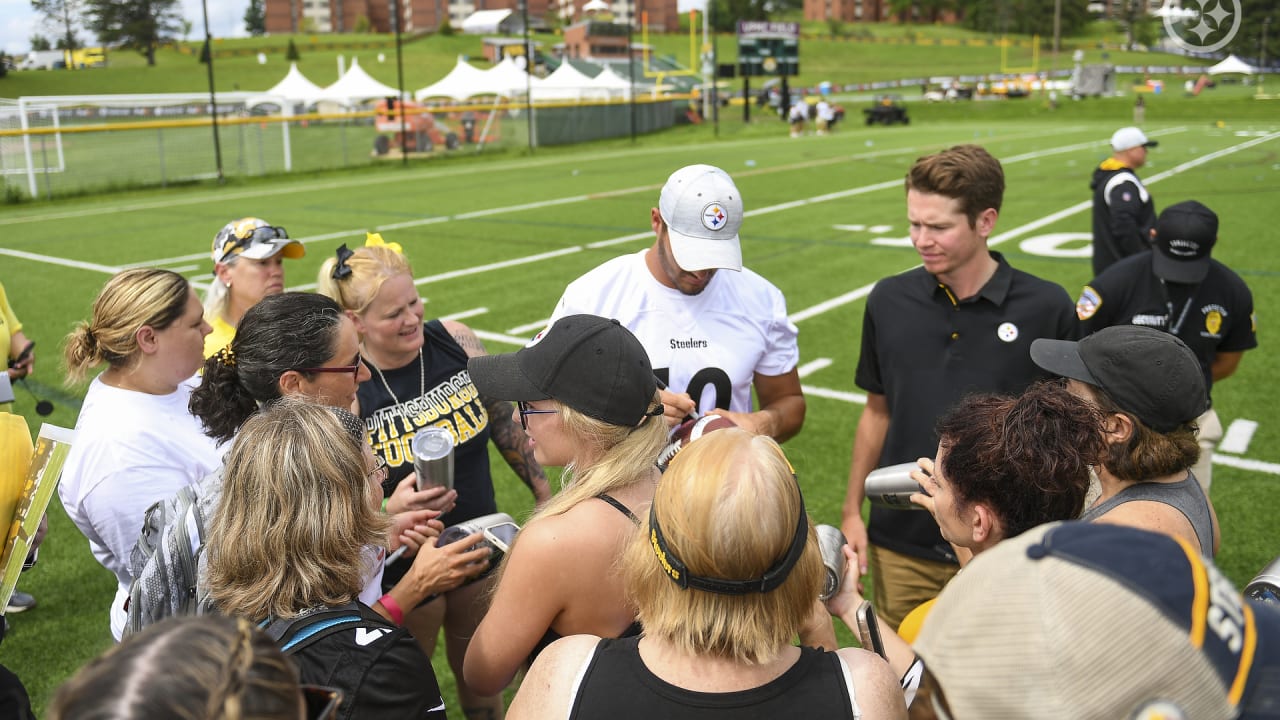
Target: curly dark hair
(1025, 457)
(282, 332)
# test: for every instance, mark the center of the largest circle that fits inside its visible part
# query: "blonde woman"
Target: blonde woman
(724, 575)
(589, 400)
(136, 443)
(299, 506)
(248, 265)
(191, 668)
(420, 379)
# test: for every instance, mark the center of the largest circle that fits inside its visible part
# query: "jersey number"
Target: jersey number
(714, 377)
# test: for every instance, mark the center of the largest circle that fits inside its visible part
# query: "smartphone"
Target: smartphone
(502, 535)
(869, 629)
(26, 353)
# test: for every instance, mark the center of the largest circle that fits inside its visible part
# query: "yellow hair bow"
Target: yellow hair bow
(375, 240)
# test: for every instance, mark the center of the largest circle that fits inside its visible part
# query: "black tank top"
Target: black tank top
(618, 686)
(451, 401)
(633, 630)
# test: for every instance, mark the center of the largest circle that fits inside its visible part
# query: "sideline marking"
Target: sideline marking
(465, 314)
(1238, 436)
(813, 366)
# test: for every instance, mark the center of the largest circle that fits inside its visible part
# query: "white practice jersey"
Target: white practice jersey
(711, 344)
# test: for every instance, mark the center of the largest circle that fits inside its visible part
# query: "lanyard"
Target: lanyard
(1174, 327)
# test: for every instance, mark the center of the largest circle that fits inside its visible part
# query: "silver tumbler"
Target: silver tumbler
(432, 449)
(893, 486)
(831, 543)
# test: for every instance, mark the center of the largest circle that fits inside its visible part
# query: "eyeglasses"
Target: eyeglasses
(353, 369)
(525, 411)
(322, 702)
(380, 472)
(263, 234)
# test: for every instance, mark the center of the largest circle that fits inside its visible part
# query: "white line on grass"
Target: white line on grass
(79, 265)
(473, 312)
(499, 337)
(858, 294)
(813, 366)
(528, 327)
(1238, 436)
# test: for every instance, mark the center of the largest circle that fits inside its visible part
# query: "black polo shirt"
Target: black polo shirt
(1212, 317)
(924, 351)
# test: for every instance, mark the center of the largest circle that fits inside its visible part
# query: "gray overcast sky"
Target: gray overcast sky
(18, 22)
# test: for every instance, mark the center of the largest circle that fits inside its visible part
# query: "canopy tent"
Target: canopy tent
(509, 80)
(485, 22)
(294, 88)
(1232, 64)
(463, 81)
(611, 82)
(566, 83)
(354, 87)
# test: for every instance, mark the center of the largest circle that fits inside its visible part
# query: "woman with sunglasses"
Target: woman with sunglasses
(192, 668)
(300, 504)
(420, 379)
(248, 265)
(590, 402)
(304, 345)
(725, 574)
(136, 443)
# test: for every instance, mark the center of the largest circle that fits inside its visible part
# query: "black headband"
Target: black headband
(772, 578)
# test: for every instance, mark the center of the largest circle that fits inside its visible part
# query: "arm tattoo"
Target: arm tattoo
(513, 443)
(468, 341)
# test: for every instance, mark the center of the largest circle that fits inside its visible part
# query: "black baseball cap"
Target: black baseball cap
(1148, 372)
(1185, 234)
(588, 363)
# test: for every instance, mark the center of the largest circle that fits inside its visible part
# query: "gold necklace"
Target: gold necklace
(422, 377)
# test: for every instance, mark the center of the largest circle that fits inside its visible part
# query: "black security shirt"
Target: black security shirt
(1211, 317)
(924, 351)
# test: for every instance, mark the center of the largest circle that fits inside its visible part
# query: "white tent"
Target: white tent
(509, 80)
(354, 87)
(484, 22)
(463, 81)
(1232, 64)
(295, 89)
(612, 83)
(566, 83)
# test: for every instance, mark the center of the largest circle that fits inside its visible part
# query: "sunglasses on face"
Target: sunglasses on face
(525, 411)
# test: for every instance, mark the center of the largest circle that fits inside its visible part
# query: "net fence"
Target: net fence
(59, 146)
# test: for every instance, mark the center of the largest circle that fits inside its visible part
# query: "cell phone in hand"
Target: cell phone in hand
(502, 535)
(22, 356)
(869, 629)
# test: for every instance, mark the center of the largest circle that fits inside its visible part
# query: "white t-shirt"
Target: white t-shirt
(711, 344)
(825, 111)
(131, 450)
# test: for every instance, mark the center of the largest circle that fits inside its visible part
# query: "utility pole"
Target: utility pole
(1262, 60)
(404, 130)
(213, 98)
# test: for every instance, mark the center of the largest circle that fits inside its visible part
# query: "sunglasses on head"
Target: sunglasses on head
(266, 233)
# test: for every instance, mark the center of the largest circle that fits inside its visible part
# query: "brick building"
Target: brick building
(340, 16)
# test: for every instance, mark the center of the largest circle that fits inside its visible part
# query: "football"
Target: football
(691, 430)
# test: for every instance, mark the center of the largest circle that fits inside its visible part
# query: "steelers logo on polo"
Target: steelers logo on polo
(714, 217)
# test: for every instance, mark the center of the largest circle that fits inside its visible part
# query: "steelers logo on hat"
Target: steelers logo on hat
(714, 217)
(1007, 332)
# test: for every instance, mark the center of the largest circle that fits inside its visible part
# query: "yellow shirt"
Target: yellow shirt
(9, 325)
(221, 336)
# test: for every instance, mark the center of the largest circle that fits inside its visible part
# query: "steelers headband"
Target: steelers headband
(772, 578)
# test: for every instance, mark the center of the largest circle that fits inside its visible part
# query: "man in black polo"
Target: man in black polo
(962, 323)
(1179, 288)
(1123, 212)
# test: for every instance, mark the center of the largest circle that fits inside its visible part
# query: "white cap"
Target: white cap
(703, 211)
(1130, 137)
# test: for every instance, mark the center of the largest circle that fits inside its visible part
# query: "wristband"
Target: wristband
(384, 504)
(393, 609)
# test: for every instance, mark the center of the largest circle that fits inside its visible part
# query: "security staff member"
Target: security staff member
(1179, 288)
(1123, 212)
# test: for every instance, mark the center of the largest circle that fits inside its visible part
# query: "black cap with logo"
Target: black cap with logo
(1185, 234)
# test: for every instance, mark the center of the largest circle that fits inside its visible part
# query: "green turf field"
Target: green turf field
(494, 240)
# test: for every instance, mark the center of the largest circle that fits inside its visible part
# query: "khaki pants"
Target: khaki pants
(902, 582)
(1209, 435)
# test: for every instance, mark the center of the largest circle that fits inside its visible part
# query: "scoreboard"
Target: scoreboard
(768, 49)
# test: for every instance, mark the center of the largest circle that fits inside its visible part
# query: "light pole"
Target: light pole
(1262, 60)
(213, 98)
(404, 130)
(631, 67)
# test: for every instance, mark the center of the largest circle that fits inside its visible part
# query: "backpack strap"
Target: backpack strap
(294, 634)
